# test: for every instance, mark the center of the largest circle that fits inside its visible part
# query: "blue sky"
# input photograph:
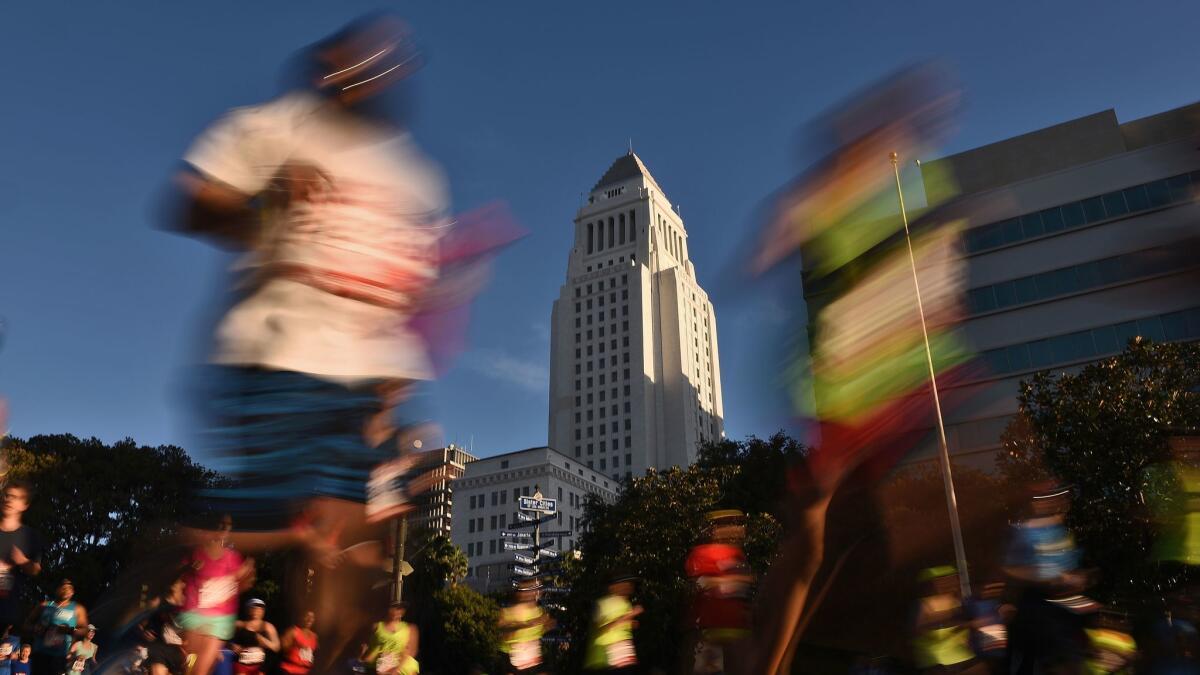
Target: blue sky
(525, 101)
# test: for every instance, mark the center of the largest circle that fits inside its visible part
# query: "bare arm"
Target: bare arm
(81, 621)
(271, 639)
(414, 637)
(206, 208)
(289, 638)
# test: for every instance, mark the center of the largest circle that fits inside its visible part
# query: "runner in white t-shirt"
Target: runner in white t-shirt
(339, 216)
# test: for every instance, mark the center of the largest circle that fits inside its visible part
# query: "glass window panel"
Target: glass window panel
(1105, 339)
(1192, 316)
(974, 241)
(1066, 281)
(1047, 285)
(1052, 219)
(1082, 346)
(1006, 294)
(1110, 270)
(991, 236)
(1136, 198)
(1018, 357)
(1063, 348)
(1125, 332)
(1027, 226)
(996, 360)
(1181, 188)
(1174, 326)
(1093, 209)
(1012, 230)
(1159, 193)
(1151, 328)
(1073, 214)
(1040, 355)
(1026, 289)
(1088, 274)
(982, 300)
(1114, 204)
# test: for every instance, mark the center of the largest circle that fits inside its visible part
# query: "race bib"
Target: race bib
(216, 592)
(306, 655)
(170, 635)
(386, 494)
(621, 654)
(526, 654)
(252, 656)
(387, 663)
(77, 665)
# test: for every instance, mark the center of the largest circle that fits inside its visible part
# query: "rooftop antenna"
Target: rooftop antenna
(631, 145)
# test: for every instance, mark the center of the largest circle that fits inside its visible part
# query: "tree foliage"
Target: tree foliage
(463, 633)
(1100, 429)
(654, 523)
(98, 506)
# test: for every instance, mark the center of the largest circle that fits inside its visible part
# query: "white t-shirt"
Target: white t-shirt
(334, 279)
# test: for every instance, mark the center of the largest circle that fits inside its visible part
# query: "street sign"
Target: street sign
(532, 523)
(535, 504)
(547, 553)
(516, 546)
(554, 590)
(524, 571)
(556, 533)
(529, 518)
(524, 558)
(509, 534)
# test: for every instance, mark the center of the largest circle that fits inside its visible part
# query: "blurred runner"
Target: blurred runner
(942, 641)
(1043, 562)
(215, 576)
(1111, 649)
(20, 553)
(10, 646)
(255, 640)
(81, 658)
(724, 586)
(989, 627)
(299, 646)
(56, 624)
(610, 646)
(392, 649)
(162, 634)
(522, 625)
(22, 663)
(340, 215)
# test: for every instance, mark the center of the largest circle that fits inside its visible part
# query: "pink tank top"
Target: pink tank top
(212, 584)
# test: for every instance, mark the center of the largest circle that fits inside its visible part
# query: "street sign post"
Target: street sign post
(547, 553)
(524, 571)
(509, 534)
(534, 523)
(556, 533)
(517, 546)
(524, 558)
(526, 517)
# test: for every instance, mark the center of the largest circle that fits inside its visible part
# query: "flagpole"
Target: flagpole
(960, 553)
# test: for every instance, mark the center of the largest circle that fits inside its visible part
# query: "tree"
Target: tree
(99, 506)
(654, 523)
(464, 631)
(1100, 430)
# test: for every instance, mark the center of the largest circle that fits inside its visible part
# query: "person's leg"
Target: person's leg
(207, 650)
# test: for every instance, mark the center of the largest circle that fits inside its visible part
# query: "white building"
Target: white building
(1077, 253)
(635, 381)
(485, 504)
(435, 505)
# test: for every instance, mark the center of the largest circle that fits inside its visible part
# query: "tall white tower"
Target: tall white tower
(635, 381)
